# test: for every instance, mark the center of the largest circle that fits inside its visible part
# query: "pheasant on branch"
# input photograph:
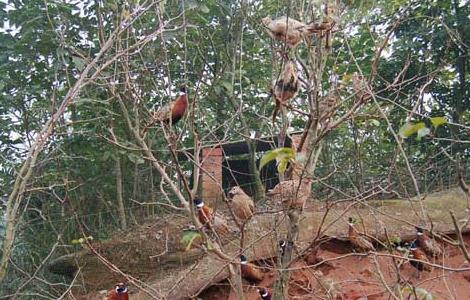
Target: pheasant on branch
(242, 204)
(290, 30)
(285, 87)
(208, 218)
(172, 112)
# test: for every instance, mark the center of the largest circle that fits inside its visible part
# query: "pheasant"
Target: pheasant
(173, 112)
(264, 293)
(429, 246)
(291, 193)
(419, 259)
(359, 242)
(290, 30)
(249, 271)
(285, 87)
(242, 204)
(208, 218)
(119, 292)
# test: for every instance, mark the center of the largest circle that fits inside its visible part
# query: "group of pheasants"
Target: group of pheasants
(290, 193)
(284, 88)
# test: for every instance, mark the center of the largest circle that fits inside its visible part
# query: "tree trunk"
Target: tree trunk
(119, 198)
(259, 194)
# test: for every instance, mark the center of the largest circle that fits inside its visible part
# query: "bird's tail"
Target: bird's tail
(276, 110)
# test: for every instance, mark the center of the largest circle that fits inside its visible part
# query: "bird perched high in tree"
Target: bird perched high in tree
(172, 112)
(119, 292)
(429, 246)
(249, 271)
(285, 87)
(359, 242)
(242, 205)
(290, 30)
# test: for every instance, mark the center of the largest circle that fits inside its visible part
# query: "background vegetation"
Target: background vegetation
(86, 64)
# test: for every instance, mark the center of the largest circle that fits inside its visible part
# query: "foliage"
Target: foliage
(228, 62)
(420, 128)
(282, 156)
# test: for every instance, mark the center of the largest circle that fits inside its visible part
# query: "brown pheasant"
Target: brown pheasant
(285, 87)
(171, 113)
(291, 193)
(290, 30)
(249, 271)
(359, 242)
(242, 204)
(429, 246)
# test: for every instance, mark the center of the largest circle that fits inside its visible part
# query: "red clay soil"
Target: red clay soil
(358, 278)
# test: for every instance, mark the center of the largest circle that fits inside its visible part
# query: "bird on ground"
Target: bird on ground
(249, 271)
(429, 245)
(172, 112)
(359, 242)
(208, 218)
(291, 193)
(119, 292)
(419, 259)
(285, 87)
(264, 293)
(242, 205)
(290, 30)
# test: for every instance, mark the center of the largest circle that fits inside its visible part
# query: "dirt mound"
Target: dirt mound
(360, 277)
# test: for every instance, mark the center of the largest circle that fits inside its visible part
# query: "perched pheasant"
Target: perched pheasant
(418, 257)
(264, 293)
(290, 30)
(242, 204)
(249, 271)
(327, 106)
(173, 112)
(361, 88)
(285, 87)
(208, 218)
(429, 246)
(359, 242)
(119, 292)
(291, 193)
(205, 214)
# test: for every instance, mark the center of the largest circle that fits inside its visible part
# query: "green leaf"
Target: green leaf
(228, 86)
(422, 294)
(279, 154)
(78, 62)
(438, 121)
(282, 166)
(203, 8)
(188, 238)
(375, 122)
(409, 129)
(423, 132)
